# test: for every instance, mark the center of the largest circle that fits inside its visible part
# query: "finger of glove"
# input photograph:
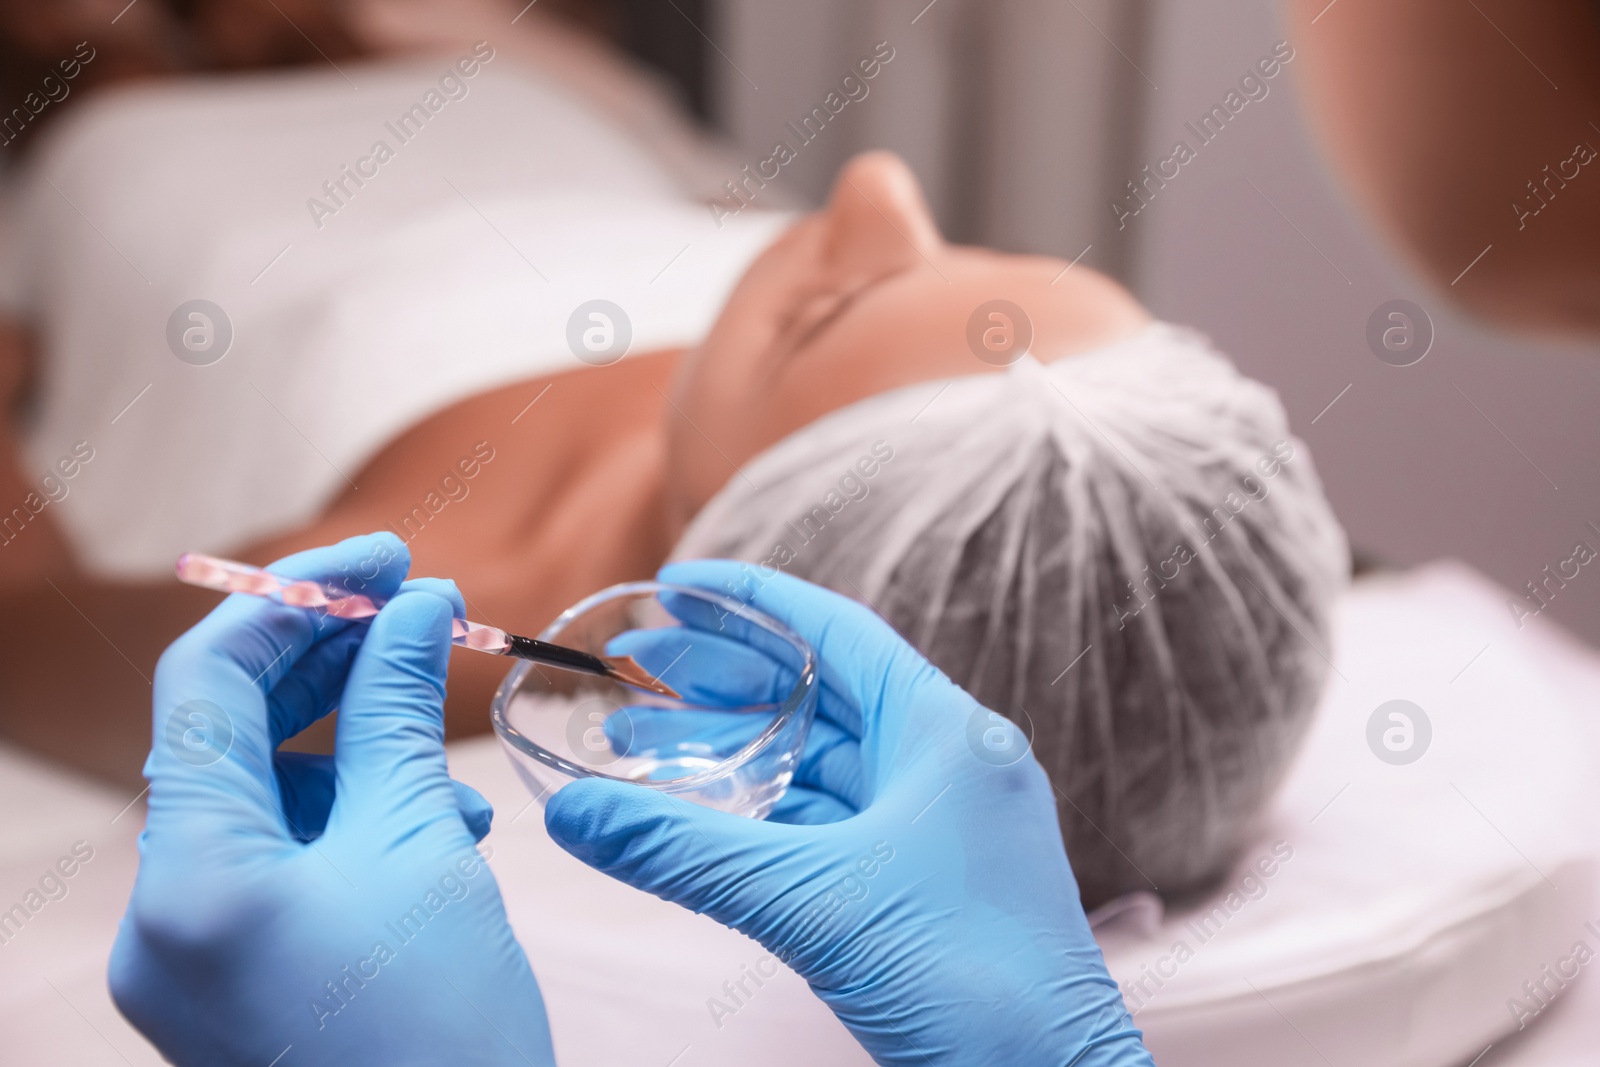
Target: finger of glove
(711, 615)
(389, 745)
(705, 860)
(706, 668)
(831, 763)
(800, 806)
(211, 758)
(306, 783)
(640, 729)
(860, 656)
(314, 687)
(730, 621)
(476, 811)
(311, 690)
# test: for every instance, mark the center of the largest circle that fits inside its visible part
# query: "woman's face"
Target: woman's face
(859, 298)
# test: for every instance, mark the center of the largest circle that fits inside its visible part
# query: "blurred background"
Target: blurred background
(1027, 119)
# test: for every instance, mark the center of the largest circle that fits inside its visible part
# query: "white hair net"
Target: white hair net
(1124, 551)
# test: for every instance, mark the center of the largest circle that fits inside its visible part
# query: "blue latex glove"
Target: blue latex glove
(920, 885)
(324, 913)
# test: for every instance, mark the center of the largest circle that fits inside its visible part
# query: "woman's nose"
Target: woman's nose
(879, 221)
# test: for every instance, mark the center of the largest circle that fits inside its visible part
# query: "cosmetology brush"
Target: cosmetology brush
(226, 576)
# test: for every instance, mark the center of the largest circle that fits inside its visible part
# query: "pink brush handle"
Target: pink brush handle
(226, 576)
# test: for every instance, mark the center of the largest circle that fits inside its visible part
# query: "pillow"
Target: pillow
(1392, 913)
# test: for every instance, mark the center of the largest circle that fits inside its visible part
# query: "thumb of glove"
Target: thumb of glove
(703, 859)
(389, 754)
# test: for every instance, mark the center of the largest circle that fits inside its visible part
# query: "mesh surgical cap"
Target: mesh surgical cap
(1124, 551)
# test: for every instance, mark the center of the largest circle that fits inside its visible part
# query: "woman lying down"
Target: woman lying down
(1114, 540)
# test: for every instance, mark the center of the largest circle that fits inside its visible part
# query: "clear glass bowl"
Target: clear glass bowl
(748, 688)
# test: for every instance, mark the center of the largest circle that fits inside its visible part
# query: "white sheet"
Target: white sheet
(627, 977)
(452, 270)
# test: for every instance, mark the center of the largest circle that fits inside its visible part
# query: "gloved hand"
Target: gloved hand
(920, 887)
(290, 911)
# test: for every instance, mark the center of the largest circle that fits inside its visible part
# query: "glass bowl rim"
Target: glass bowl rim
(793, 701)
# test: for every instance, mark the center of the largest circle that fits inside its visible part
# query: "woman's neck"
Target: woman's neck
(530, 497)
